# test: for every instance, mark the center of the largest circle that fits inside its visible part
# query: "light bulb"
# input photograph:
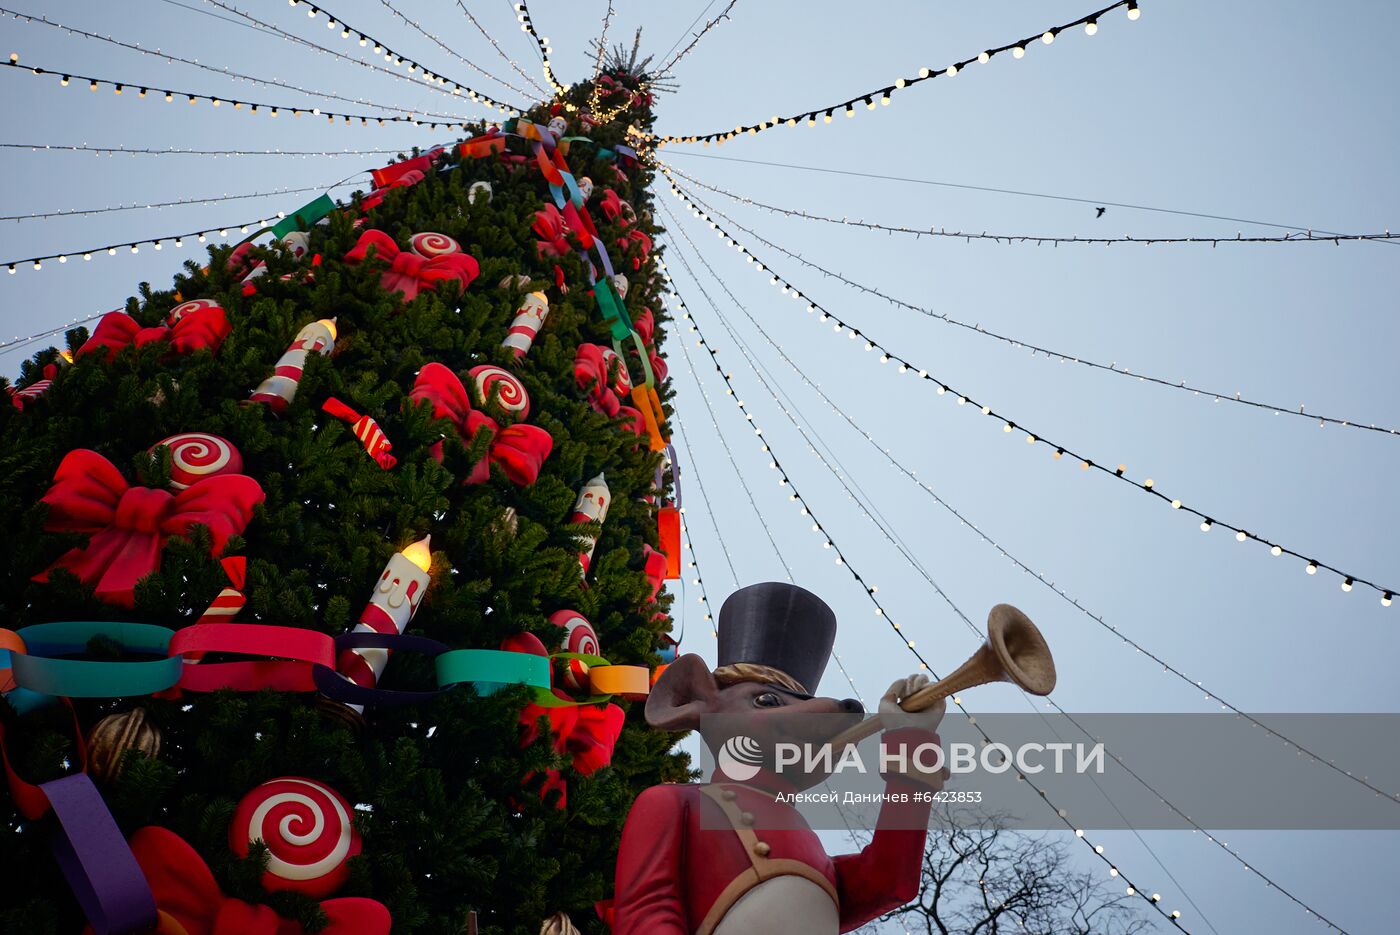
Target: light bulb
(1346, 584)
(1385, 599)
(1019, 51)
(951, 70)
(1312, 568)
(1048, 36)
(1133, 11)
(1176, 504)
(1205, 525)
(1276, 550)
(1091, 27)
(923, 73)
(1241, 536)
(984, 57)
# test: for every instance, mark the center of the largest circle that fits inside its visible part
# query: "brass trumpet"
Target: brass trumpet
(1015, 651)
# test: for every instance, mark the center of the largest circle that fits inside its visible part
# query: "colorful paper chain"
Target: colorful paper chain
(33, 666)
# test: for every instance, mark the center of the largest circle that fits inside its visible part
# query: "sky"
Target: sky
(1277, 112)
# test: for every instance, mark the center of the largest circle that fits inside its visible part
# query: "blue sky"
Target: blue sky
(1272, 111)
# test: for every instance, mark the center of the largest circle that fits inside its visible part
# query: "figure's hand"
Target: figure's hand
(892, 715)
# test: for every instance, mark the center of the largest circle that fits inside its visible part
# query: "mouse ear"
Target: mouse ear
(685, 691)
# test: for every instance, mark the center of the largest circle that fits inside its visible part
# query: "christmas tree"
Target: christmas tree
(220, 476)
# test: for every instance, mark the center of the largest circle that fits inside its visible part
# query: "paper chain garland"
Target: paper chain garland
(303, 661)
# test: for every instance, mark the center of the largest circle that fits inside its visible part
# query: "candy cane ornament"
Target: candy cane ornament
(278, 390)
(529, 319)
(377, 444)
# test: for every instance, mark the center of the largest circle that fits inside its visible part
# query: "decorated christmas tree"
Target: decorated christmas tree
(335, 568)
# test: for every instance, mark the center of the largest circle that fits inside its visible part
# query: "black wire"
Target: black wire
(699, 16)
(1010, 191)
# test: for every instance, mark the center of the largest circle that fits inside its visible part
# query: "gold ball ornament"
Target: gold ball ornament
(115, 734)
(558, 924)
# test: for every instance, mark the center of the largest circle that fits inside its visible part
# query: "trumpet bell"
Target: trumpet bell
(1021, 650)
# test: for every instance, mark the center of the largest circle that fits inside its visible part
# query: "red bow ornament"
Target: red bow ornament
(587, 734)
(406, 180)
(636, 237)
(187, 893)
(600, 372)
(395, 172)
(520, 450)
(128, 526)
(408, 272)
(552, 230)
(615, 209)
(196, 330)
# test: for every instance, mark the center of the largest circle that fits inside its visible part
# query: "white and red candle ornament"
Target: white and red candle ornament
(278, 390)
(591, 507)
(309, 831)
(510, 392)
(377, 444)
(195, 456)
(395, 600)
(529, 319)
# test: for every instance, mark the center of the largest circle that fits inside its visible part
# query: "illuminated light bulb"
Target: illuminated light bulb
(1147, 483)
(38, 265)
(201, 238)
(1346, 584)
(116, 89)
(169, 97)
(986, 410)
(179, 242)
(850, 110)
(869, 104)
(884, 100)
(1113, 871)
(1312, 568)
(92, 86)
(1048, 36)
(1091, 27)
(1007, 427)
(64, 81)
(87, 256)
(1059, 453)
(63, 259)
(111, 251)
(155, 242)
(1098, 848)
(1385, 599)
(1133, 14)
(1018, 52)
(1176, 504)
(827, 118)
(900, 83)
(1241, 536)
(951, 70)
(12, 269)
(811, 122)
(1176, 913)
(923, 72)
(984, 57)
(135, 249)
(364, 41)
(1079, 832)
(216, 102)
(1030, 439)
(1205, 525)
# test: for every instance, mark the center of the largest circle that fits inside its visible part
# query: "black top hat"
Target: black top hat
(779, 625)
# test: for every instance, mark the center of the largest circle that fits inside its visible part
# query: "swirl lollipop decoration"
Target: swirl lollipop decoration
(579, 637)
(195, 456)
(513, 397)
(429, 245)
(185, 308)
(308, 831)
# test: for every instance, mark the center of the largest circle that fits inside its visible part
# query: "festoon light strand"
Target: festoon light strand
(515, 66)
(1062, 356)
(1009, 425)
(1174, 917)
(1089, 21)
(134, 246)
(837, 471)
(141, 90)
(527, 25)
(429, 77)
(137, 206)
(124, 151)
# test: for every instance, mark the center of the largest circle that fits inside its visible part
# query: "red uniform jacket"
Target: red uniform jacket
(680, 866)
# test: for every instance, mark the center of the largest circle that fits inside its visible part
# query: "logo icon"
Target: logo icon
(740, 758)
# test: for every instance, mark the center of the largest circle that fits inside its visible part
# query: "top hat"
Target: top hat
(778, 625)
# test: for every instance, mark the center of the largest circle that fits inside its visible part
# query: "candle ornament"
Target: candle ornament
(278, 390)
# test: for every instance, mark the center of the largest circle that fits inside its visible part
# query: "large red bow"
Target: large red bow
(376, 197)
(601, 372)
(392, 174)
(196, 330)
(186, 891)
(129, 525)
(614, 208)
(552, 230)
(639, 237)
(408, 272)
(586, 734)
(520, 450)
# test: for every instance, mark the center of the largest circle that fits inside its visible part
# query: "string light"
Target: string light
(499, 51)
(112, 248)
(1017, 49)
(691, 204)
(1061, 356)
(194, 98)
(195, 63)
(670, 65)
(522, 14)
(76, 212)
(413, 24)
(430, 85)
(870, 593)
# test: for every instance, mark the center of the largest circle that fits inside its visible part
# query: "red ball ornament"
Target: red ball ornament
(308, 831)
(195, 456)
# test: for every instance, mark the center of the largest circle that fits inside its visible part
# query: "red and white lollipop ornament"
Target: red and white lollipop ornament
(195, 456)
(308, 830)
(511, 394)
(429, 245)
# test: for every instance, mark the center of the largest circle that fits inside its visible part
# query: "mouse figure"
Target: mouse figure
(725, 857)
